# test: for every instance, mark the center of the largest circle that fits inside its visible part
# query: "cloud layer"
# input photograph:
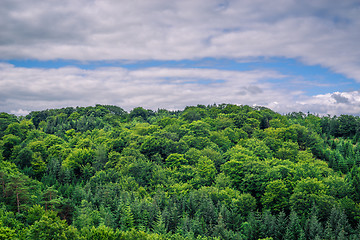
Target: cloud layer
(314, 31)
(26, 89)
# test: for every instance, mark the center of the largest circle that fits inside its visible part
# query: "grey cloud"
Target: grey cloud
(251, 90)
(339, 99)
(23, 89)
(29, 23)
(313, 31)
(242, 93)
(254, 89)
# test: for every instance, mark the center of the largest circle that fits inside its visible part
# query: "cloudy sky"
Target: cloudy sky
(287, 55)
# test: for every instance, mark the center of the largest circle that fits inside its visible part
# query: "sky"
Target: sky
(286, 55)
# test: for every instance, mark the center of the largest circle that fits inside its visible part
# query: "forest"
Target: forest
(220, 171)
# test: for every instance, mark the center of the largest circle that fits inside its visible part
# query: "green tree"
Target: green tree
(38, 147)
(51, 227)
(294, 229)
(8, 144)
(337, 224)
(313, 227)
(50, 198)
(101, 233)
(19, 189)
(159, 226)
(243, 204)
(221, 140)
(175, 160)
(251, 228)
(200, 128)
(308, 192)
(258, 147)
(153, 145)
(38, 165)
(19, 129)
(140, 113)
(352, 211)
(205, 172)
(6, 232)
(126, 220)
(247, 174)
(281, 225)
(276, 196)
(289, 150)
(86, 216)
(24, 158)
(193, 114)
(354, 179)
(100, 157)
(34, 214)
(5, 120)
(78, 158)
(268, 226)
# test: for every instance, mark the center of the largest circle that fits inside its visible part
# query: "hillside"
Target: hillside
(206, 172)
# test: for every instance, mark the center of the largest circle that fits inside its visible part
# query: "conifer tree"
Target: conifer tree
(159, 226)
(294, 229)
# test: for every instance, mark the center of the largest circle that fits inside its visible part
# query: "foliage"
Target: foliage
(207, 172)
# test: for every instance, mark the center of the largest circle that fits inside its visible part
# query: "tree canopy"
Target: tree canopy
(206, 172)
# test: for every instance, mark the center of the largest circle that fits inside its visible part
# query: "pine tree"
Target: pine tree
(354, 178)
(220, 227)
(337, 224)
(159, 226)
(50, 198)
(253, 226)
(294, 229)
(313, 227)
(18, 189)
(281, 225)
(107, 217)
(268, 227)
(127, 218)
(328, 232)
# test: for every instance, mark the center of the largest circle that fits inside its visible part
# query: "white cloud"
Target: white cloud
(333, 103)
(315, 31)
(25, 89)
(20, 112)
(28, 89)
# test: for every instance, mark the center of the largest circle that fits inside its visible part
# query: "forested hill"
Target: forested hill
(207, 172)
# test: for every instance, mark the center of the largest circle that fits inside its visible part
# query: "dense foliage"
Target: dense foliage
(207, 172)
